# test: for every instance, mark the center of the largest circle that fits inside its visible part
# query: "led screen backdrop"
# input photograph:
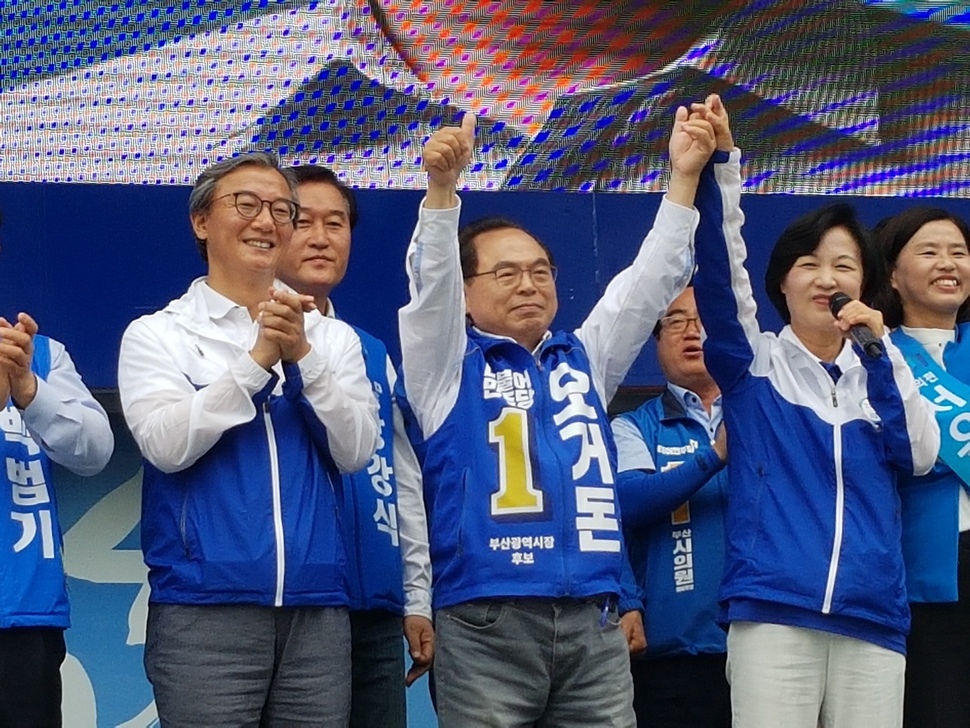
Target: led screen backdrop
(827, 96)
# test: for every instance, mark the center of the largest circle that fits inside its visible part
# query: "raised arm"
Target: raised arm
(432, 324)
(725, 299)
(620, 323)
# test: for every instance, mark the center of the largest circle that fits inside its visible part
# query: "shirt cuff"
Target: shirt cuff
(43, 409)
(249, 375)
(417, 602)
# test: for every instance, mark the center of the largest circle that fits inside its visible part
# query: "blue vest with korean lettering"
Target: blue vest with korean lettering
(32, 581)
(519, 479)
(369, 505)
(930, 507)
(679, 561)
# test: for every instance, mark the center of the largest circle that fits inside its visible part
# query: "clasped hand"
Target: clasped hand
(282, 333)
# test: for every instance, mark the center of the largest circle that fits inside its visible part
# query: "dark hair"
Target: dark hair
(803, 236)
(325, 175)
(466, 240)
(892, 235)
(200, 198)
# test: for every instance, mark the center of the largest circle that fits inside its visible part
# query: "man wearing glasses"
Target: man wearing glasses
(245, 403)
(509, 421)
(671, 449)
(388, 572)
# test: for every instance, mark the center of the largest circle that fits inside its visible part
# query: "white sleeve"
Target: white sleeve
(412, 518)
(920, 429)
(172, 422)
(65, 419)
(632, 451)
(336, 386)
(622, 320)
(432, 324)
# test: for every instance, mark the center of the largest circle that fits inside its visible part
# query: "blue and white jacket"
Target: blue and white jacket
(516, 450)
(676, 545)
(931, 505)
(369, 504)
(62, 424)
(386, 555)
(241, 463)
(813, 524)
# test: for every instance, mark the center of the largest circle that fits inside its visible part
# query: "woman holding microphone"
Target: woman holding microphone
(813, 590)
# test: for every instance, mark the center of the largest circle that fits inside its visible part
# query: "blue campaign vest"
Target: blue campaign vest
(369, 505)
(519, 478)
(32, 580)
(678, 561)
(930, 503)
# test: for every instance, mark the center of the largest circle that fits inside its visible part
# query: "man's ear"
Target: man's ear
(200, 225)
(464, 301)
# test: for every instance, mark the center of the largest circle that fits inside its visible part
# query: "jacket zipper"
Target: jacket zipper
(277, 506)
(568, 528)
(839, 516)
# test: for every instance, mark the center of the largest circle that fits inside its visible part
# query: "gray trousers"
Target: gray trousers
(243, 665)
(532, 662)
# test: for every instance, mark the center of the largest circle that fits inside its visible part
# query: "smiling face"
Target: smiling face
(316, 260)
(522, 311)
(835, 265)
(243, 253)
(932, 275)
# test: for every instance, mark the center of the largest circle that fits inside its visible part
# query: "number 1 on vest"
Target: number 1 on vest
(516, 493)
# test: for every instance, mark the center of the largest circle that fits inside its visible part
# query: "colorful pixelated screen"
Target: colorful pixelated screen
(852, 97)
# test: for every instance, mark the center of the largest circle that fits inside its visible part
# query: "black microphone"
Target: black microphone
(860, 333)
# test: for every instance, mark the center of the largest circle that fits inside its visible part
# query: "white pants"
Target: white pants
(790, 677)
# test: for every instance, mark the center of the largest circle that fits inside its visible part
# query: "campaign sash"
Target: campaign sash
(950, 400)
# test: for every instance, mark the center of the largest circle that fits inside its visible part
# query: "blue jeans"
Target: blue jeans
(243, 665)
(377, 694)
(519, 663)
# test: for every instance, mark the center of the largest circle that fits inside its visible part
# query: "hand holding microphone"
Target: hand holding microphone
(860, 322)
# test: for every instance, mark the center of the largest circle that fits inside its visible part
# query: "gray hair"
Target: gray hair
(200, 199)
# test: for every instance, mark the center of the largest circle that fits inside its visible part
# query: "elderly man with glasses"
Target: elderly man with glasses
(247, 404)
(672, 488)
(509, 421)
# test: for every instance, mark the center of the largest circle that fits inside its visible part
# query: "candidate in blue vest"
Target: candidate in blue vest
(819, 431)
(672, 487)
(378, 542)
(926, 303)
(518, 461)
(50, 417)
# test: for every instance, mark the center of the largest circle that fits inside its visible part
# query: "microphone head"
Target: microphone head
(837, 302)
